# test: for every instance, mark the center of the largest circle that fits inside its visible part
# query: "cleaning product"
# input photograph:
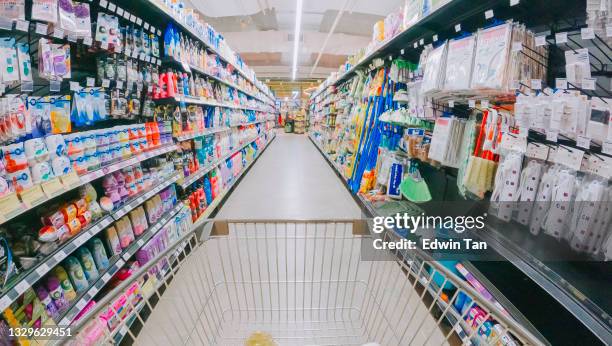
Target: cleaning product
(99, 254)
(66, 286)
(88, 264)
(76, 274)
(57, 293)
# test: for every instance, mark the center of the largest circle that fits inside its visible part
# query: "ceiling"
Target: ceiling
(262, 32)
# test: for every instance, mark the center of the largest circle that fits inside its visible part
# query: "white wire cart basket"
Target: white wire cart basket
(296, 283)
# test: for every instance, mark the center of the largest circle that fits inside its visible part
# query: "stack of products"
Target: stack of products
(89, 161)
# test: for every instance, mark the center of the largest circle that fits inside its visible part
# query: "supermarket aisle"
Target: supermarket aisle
(290, 181)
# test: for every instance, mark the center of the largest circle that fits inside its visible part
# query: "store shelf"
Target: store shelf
(471, 16)
(207, 102)
(165, 12)
(462, 330)
(86, 178)
(202, 171)
(538, 258)
(207, 132)
(115, 265)
(217, 201)
(29, 278)
(197, 69)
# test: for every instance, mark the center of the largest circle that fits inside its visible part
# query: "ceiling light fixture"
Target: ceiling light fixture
(296, 37)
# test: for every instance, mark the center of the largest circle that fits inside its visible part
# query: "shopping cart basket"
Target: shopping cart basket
(300, 283)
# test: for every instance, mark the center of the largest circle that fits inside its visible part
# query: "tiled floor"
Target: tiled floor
(290, 181)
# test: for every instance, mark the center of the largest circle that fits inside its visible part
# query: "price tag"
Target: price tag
(5, 302)
(609, 31)
(457, 27)
(489, 14)
(561, 37)
(139, 21)
(42, 269)
(606, 147)
(128, 52)
(105, 83)
(561, 83)
(119, 84)
(552, 136)
(10, 205)
(52, 187)
(540, 40)
(59, 256)
(451, 103)
(41, 28)
(91, 82)
(32, 196)
(80, 240)
(583, 142)
(159, 32)
(472, 103)
(120, 11)
(112, 7)
(484, 103)
(104, 45)
(517, 46)
(22, 287)
(81, 304)
(132, 18)
(126, 256)
(422, 41)
(70, 180)
(536, 84)
(435, 38)
(22, 25)
(88, 41)
(103, 3)
(58, 33)
(74, 86)
(415, 45)
(146, 26)
(514, 2)
(140, 243)
(106, 277)
(587, 33)
(72, 38)
(588, 83)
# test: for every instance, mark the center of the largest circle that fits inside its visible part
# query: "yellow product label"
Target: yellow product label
(32, 196)
(70, 180)
(52, 187)
(9, 206)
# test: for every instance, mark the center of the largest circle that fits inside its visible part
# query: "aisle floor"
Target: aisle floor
(291, 181)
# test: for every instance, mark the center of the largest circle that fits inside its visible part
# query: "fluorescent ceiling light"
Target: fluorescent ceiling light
(296, 37)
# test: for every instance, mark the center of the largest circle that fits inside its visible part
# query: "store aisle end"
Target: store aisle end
(290, 181)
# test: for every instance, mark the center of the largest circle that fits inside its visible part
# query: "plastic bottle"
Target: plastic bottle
(68, 290)
(47, 301)
(57, 293)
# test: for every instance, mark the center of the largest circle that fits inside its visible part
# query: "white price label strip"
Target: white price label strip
(489, 14)
(41, 28)
(59, 256)
(588, 83)
(22, 287)
(607, 147)
(587, 33)
(457, 27)
(81, 304)
(5, 302)
(42, 269)
(106, 277)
